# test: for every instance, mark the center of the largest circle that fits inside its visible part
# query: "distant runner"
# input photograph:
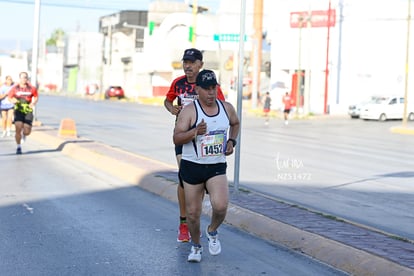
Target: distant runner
(24, 96)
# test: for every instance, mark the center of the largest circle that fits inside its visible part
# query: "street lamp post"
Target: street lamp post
(338, 78)
(406, 64)
(35, 48)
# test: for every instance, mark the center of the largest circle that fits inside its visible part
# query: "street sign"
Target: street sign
(228, 37)
(316, 19)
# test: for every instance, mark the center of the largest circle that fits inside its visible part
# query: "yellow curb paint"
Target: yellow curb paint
(402, 130)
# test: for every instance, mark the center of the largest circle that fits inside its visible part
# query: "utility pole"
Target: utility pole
(256, 54)
(325, 104)
(195, 11)
(307, 72)
(299, 71)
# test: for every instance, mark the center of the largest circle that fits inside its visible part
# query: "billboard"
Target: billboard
(316, 19)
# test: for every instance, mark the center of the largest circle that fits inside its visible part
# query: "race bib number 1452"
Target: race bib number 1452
(212, 144)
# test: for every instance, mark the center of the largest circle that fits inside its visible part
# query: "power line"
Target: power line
(70, 4)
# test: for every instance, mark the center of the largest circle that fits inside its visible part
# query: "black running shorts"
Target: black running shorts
(194, 173)
(22, 117)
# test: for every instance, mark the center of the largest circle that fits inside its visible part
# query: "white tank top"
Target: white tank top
(210, 147)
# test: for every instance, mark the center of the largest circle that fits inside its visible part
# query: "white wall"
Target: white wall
(373, 49)
(12, 66)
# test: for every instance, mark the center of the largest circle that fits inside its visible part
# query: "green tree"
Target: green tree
(56, 37)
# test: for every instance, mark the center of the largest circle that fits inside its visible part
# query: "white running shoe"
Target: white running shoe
(3, 134)
(23, 139)
(214, 246)
(8, 133)
(195, 254)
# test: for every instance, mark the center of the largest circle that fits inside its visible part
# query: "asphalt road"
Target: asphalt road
(62, 217)
(352, 169)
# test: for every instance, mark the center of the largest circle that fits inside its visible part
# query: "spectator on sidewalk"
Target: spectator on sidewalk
(6, 107)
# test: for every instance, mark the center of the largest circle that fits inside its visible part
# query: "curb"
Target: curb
(147, 176)
(402, 130)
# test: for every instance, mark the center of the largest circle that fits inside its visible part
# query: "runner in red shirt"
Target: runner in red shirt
(24, 96)
(287, 102)
(183, 89)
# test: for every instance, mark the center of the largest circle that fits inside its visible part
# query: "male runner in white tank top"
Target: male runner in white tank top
(207, 129)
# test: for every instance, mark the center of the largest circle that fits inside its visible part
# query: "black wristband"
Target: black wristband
(233, 141)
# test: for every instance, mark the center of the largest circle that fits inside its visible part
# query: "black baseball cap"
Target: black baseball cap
(193, 54)
(206, 78)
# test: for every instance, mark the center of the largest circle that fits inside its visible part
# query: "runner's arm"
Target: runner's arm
(12, 96)
(34, 101)
(234, 127)
(2, 96)
(184, 130)
(173, 109)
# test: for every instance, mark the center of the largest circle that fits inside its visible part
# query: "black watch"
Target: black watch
(233, 141)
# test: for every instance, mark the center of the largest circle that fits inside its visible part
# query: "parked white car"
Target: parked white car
(385, 108)
(354, 110)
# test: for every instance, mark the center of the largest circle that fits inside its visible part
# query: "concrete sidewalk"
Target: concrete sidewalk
(353, 248)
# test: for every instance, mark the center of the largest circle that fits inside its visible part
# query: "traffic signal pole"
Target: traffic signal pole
(240, 93)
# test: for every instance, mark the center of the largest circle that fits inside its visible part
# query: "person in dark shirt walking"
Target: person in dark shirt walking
(266, 107)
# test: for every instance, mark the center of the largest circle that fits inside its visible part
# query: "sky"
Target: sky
(16, 21)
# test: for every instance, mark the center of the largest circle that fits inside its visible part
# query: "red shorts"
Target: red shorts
(266, 110)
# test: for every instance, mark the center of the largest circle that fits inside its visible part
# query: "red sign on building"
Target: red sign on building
(315, 18)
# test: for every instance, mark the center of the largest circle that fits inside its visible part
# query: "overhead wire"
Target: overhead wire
(105, 4)
(102, 5)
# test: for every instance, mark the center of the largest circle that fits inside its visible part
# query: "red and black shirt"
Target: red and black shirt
(185, 92)
(23, 94)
